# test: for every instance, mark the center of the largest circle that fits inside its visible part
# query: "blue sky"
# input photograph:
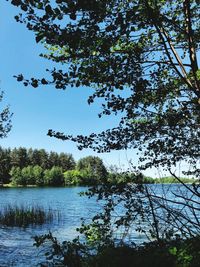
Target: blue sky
(37, 110)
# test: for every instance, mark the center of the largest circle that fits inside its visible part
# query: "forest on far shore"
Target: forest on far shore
(21, 166)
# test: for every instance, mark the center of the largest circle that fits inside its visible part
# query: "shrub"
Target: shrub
(174, 253)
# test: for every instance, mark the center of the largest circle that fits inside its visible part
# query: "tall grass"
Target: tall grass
(23, 216)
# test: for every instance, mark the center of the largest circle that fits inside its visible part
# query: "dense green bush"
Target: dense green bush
(28, 175)
(177, 253)
(73, 177)
(38, 175)
(17, 178)
(34, 175)
(174, 253)
(80, 177)
(54, 176)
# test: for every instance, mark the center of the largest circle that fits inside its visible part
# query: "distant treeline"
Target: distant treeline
(22, 157)
(21, 166)
(172, 180)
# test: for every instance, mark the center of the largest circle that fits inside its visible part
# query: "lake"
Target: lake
(16, 244)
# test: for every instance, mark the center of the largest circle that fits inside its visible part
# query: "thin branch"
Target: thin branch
(179, 203)
(186, 186)
(187, 199)
(176, 56)
(152, 207)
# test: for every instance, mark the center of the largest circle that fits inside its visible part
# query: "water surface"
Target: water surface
(16, 244)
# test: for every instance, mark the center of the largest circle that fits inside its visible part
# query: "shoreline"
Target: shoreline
(66, 186)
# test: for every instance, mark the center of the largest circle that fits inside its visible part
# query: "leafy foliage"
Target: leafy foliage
(93, 166)
(73, 177)
(140, 57)
(176, 253)
(54, 176)
(5, 166)
(5, 120)
(17, 177)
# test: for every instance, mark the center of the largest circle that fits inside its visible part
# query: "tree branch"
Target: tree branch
(192, 50)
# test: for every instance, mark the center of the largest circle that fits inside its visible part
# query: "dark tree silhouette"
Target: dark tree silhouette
(5, 127)
(5, 119)
(140, 57)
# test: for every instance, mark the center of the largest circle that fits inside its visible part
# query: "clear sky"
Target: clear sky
(37, 110)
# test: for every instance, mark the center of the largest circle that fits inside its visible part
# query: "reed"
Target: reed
(23, 216)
